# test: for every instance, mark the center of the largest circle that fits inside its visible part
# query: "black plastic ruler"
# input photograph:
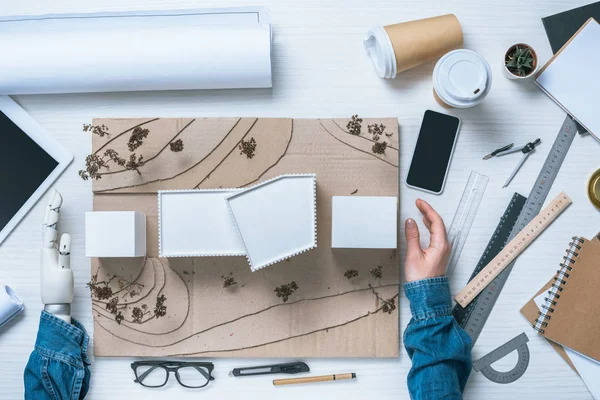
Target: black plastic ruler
(474, 316)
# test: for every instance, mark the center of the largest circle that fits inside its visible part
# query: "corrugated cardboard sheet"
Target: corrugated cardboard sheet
(328, 316)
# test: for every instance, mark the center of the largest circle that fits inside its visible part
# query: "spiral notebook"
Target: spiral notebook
(569, 315)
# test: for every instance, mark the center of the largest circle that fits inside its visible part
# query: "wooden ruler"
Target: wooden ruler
(512, 250)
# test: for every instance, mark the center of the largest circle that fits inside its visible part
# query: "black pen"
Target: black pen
(287, 368)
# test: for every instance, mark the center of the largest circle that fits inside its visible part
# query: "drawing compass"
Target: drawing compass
(503, 151)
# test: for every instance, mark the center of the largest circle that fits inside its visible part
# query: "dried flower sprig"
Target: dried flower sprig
(96, 163)
(93, 164)
(135, 163)
(137, 314)
(388, 306)
(379, 147)
(377, 272)
(351, 273)
(176, 146)
(112, 305)
(354, 125)
(228, 280)
(160, 310)
(100, 290)
(137, 138)
(376, 131)
(100, 130)
(119, 317)
(285, 291)
(247, 147)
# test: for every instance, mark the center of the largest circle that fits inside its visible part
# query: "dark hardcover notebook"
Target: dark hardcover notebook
(561, 27)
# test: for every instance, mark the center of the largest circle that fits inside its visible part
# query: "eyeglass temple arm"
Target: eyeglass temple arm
(204, 373)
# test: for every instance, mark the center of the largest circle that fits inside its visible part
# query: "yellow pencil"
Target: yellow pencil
(312, 379)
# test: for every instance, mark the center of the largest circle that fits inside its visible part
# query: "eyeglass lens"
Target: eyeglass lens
(152, 375)
(193, 376)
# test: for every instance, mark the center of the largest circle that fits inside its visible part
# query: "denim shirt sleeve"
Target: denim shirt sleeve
(439, 348)
(58, 366)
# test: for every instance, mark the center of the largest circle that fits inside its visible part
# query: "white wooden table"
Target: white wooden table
(321, 70)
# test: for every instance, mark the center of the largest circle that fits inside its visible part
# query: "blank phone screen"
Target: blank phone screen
(433, 151)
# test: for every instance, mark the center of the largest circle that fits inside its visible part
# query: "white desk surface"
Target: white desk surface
(321, 70)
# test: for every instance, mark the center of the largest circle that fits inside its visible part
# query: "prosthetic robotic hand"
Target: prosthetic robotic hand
(56, 275)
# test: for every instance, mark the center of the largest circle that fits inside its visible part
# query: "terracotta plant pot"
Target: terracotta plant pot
(511, 75)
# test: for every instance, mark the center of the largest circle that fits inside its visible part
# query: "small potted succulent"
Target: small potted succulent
(520, 62)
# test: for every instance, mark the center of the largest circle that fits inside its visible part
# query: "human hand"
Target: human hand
(431, 262)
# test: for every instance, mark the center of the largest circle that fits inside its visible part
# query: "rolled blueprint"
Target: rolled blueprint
(166, 50)
(10, 305)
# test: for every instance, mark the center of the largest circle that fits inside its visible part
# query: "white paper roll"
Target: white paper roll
(10, 304)
(167, 50)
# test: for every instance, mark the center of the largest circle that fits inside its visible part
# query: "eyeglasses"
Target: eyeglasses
(155, 374)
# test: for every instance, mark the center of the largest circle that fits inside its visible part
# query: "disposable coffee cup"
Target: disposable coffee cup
(461, 79)
(396, 48)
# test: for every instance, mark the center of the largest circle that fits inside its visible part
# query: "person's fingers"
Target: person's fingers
(436, 227)
(413, 244)
(427, 223)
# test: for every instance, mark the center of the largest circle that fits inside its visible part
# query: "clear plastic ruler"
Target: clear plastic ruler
(465, 215)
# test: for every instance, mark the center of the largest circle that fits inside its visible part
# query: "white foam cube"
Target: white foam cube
(364, 222)
(115, 234)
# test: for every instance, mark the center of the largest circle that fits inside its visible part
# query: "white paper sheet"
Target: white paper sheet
(10, 304)
(588, 369)
(197, 223)
(573, 78)
(276, 219)
(162, 50)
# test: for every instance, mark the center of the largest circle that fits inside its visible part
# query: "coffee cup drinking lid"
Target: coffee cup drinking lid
(380, 49)
(461, 77)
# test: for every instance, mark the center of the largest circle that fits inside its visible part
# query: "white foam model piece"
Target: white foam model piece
(196, 223)
(364, 222)
(276, 219)
(115, 234)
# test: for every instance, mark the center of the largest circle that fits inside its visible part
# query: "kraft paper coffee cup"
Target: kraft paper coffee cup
(461, 79)
(396, 48)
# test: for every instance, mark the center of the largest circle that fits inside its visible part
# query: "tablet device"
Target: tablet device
(30, 160)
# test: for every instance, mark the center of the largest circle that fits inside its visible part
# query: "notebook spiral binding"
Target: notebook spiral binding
(562, 275)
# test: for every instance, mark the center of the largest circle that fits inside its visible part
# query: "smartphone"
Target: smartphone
(433, 152)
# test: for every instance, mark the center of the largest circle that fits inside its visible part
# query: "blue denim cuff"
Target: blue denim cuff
(429, 298)
(62, 341)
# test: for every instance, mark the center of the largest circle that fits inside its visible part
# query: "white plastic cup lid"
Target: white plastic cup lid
(380, 49)
(462, 78)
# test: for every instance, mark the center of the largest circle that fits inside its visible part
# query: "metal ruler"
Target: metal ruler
(465, 215)
(473, 318)
(513, 249)
(484, 364)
